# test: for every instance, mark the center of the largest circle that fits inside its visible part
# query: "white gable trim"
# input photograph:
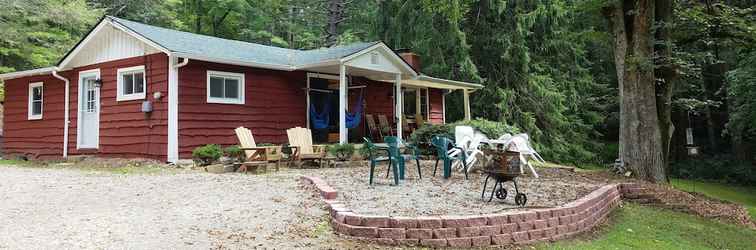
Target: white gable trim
(105, 22)
(392, 56)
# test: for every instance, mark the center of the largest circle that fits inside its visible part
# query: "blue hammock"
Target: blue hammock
(320, 120)
(353, 119)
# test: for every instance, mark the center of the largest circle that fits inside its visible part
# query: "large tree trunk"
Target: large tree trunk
(640, 136)
(335, 10)
(199, 11)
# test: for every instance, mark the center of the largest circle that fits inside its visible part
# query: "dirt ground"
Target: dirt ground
(437, 196)
(61, 208)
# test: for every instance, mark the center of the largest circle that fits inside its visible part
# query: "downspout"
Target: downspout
(173, 88)
(65, 108)
(183, 63)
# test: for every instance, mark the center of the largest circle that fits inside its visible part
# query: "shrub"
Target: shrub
(206, 155)
(235, 152)
(342, 151)
(720, 167)
(422, 136)
(491, 129)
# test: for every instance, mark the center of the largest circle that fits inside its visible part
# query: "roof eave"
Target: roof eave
(25, 73)
(462, 84)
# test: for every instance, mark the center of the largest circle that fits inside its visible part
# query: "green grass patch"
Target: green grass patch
(640, 227)
(12, 162)
(743, 195)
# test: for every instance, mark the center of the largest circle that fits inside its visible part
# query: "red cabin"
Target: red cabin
(134, 90)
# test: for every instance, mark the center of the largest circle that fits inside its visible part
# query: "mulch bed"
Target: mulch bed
(437, 196)
(699, 204)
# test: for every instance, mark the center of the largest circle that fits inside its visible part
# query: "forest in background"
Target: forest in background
(548, 66)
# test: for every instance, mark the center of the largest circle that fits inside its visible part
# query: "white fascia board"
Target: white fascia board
(138, 36)
(392, 55)
(31, 72)
(97, 29)
(234, 62)
(466, 85)
(83, 43)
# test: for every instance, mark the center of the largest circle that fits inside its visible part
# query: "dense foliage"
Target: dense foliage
(547, 65)
(491, 129)
(206, 155)
(342, 152)
(720, 167)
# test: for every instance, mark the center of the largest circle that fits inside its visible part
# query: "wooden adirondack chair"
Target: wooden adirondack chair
(373, 129)
(385, 126)
(301, 139)
(255, 156)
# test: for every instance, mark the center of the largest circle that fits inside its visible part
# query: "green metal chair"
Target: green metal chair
(442, 145)
(398, 158)
(374, 159)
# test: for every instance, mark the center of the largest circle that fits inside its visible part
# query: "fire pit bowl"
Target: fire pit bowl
(503, 166)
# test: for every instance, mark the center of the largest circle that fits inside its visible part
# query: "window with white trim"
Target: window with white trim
(225, 87)
(35, 101)
(415, 102)
(132, 83)
(423, 99)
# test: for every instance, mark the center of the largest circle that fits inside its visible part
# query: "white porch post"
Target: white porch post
(466, 97)
(399, 105)
(443, 108)
(342, 104)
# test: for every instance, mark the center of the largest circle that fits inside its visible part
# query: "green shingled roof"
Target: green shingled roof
(225, 49)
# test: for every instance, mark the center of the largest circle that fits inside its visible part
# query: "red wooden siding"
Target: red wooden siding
(35, 138)
(379, 98)
(274, 102)
(124, 130)
(435, 97)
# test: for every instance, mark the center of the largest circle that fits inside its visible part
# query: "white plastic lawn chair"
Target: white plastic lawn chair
(468, 139)
(522, 142)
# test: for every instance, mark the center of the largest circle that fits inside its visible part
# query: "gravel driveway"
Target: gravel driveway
(75, 209)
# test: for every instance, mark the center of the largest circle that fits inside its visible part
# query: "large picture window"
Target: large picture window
(225, 87)
(35, 101)
(132, 84)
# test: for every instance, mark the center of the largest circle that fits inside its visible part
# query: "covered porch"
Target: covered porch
(341, 94)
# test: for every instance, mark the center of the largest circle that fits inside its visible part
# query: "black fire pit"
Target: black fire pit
(504, 166)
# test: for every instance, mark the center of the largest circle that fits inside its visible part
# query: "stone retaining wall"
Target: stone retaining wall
(523, 227)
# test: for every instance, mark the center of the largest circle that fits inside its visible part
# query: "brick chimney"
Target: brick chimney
(411, 58)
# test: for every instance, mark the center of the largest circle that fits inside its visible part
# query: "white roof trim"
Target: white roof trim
(438, 83)
(467, 85)
(393, 56)
(31, 72)
(107, 21)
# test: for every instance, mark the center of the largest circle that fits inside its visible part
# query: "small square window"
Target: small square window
(35, 101)
(225, 87)
(375, 58)
(131, 83)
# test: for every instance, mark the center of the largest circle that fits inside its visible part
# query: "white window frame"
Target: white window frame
(29, 103)
(134, 96)
(418, 106)
(238, 76)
